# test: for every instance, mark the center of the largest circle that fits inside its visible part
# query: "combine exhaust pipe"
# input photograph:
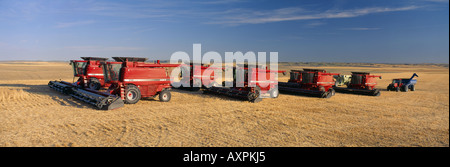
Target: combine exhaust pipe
(98, 99)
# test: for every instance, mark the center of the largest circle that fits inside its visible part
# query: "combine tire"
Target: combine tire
(413, 88)
(332, 91)
(397, 89)
(274, 93)
(254, 96)
(405, 88)
(164, 96)
(388, 88)
(94, 84)
(132, 94)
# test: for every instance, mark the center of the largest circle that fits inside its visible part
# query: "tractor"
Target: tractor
(403, 84)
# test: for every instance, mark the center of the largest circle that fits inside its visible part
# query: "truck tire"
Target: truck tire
(164, 96)
(94, 84)
(132, 94)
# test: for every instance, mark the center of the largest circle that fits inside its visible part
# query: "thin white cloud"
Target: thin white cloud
(72, 24)
(441, 1)
(361, 28)
(103, 48)
(292, 14)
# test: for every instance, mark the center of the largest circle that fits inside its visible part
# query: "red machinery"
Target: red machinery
(252, 89)
(132, 79)
(315, 82)
(89, 72)
(361, 83)
(197, 77)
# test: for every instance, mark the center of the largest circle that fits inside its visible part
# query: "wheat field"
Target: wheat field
(32, 114)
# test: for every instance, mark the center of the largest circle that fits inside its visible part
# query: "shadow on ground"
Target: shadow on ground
(62, 99)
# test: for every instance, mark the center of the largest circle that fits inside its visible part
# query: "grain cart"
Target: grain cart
(403, 84)
(132, 79)
(312, 82)
(361, 83)
(89, 72)
(252, 89)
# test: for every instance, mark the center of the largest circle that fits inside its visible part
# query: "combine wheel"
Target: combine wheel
(132, 94)
(332, 91)
(377, 94)
(397, 89)
(413, 88)
(253, 96)
(274, 93)
(388, 88)
(94, 84)
(164, 96)
(405, 88)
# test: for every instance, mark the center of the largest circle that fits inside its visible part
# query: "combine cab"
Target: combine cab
(312, 82)
(361, 83)
(403, 84)
(252, 89)
(89, 72)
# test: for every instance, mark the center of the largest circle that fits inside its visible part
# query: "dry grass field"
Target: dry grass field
(32, 114)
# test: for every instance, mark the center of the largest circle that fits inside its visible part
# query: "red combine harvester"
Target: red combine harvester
(252, 90)
(361, 83)
(313, 82)
(130, 80)
(89, 72)
(196, 77)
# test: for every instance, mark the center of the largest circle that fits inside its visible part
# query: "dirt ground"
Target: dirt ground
(32, 114)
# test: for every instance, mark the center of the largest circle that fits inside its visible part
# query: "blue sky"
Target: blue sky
(378, 31)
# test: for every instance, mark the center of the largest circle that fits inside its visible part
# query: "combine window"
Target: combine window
(79, 68)
(357, 79)
(111, 72)
(294, 76)
(308, 77)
